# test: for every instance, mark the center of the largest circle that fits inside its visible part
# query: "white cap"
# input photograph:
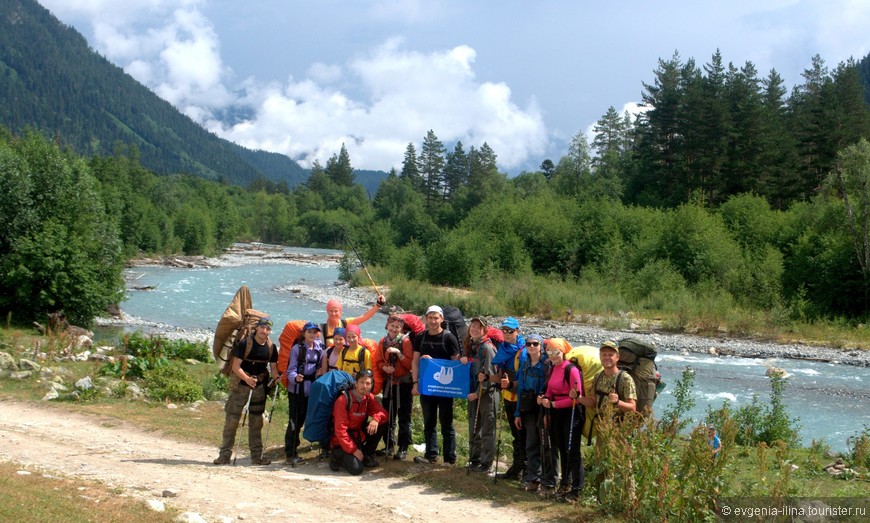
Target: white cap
(435, 308)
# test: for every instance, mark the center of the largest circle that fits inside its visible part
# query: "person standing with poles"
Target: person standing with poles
(391, 363)
(254, 357)
(482, 404)
(301, 371)
(564, 388)
(437, 343)
(506, 360)
(531, 385)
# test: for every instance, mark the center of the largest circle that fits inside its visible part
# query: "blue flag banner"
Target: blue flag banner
(446, 378)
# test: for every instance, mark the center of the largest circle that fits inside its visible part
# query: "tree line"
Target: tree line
(658, 209)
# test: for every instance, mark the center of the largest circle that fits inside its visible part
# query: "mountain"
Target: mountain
(53, 82)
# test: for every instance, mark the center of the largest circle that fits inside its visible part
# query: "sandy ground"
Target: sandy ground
(145, 464)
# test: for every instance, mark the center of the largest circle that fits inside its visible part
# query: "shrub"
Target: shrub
(859, 449)
(188, 350)
(172, 382)
(218, 383)
(683, 403)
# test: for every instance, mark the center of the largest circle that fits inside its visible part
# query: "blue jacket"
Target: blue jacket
(504, 357)
(531, 378)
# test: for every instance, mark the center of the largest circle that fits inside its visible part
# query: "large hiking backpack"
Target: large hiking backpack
(637, 357)
(238, 321)
(288, 338)
(454, 321)
(321, 398)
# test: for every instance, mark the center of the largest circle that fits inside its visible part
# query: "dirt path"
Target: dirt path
(144, 464)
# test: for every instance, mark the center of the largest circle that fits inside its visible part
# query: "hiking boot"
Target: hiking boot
(449, 462)
(292, 460)
(262, 460)
(472, 465)
(547, 491)
(530, 486)
(381, 453)
(511, 473)
(571, 496)
(334, 460)
(484, 468)
(370, 462)
(425, 461)
(222, 460)
(401, 455)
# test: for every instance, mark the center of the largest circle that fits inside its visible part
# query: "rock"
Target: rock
(51, 395)
(170, 493)
(156, 505)
(133, 390)
(7, 362)
(776, 371)
(85, 383)
(171, 406)
(83, 342)
(23, 472)
(713, 351)
(59, 387)
(20, 375)
(83, 356)
(190, 517)
(98, 357)
(191, 361)
(25, 364)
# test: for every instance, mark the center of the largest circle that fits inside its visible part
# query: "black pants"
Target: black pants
(563, 432)
(438, 410)
(349, 461)
(519, 436)
(397, 401)
(298, 409)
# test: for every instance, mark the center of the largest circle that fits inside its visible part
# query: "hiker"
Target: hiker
(713, 438)
(255, 358)
(564, 390)
(353, 441)
(302, 368)
(483, 400)
(391, 363)
(334, 319)
(438, 343)
(612, 385)
(330, 355)
(535, 419)
(506, 359)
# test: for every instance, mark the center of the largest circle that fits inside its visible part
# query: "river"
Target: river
(830, 399)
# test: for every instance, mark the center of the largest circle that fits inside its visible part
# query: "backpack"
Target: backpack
(238, 321)
(454, 321)
(323, 327)
(360, 355)
(495, 335)
(321, 399)
(289, 336)
(637, 357)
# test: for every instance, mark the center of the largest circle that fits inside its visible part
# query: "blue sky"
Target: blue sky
(522, 76)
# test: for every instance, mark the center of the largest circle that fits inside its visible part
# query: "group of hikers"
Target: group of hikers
(540, 390)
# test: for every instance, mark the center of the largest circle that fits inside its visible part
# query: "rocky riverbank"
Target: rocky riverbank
(576, 333)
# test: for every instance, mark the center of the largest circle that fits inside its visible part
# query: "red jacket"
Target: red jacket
(403, 366)
(354, 420)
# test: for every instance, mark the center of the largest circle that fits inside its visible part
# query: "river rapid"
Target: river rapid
(830, 397)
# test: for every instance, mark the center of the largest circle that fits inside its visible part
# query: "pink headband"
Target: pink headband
(354, 329)
(333, 303)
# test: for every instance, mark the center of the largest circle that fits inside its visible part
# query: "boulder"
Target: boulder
(190, 517)
(85, 383)
(7, 362)
(156, 505)
(133, 391)
(20, 375)
(51, 395)
(25, 364)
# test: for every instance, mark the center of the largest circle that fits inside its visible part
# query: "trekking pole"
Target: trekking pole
(352, 246)
(295, 441)
(474, 425)
(571, 426)
(391, 394)
(271, 411)
(497, 449)
(244, 418)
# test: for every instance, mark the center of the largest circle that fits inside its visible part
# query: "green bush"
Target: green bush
(216, 384)
(859, 449)
(188, 350)
(172, 382)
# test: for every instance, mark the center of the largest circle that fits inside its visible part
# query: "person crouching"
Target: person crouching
(353, 440)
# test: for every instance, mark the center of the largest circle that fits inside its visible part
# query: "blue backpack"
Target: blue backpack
(321, 398)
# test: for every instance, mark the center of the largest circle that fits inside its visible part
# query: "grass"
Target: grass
(591, 299)
(41, 497)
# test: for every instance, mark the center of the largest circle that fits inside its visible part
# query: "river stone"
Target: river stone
(51, 395)
(85, 383)
(59, 387)
(7, 362)
(25, 364)
(156, 505)
(133, 390)
(20, 375)
(190, 517)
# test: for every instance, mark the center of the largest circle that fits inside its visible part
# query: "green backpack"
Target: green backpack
(637, 357)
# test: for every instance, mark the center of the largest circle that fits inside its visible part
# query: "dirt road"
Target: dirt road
(144, 464)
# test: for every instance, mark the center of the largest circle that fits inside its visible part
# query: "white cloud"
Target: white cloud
(375, 103)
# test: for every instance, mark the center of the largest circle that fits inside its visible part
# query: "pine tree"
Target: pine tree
(410, 169)
(455, 171)
(339, 170)
(431, 164)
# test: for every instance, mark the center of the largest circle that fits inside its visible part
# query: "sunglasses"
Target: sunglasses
(508, 331)
(367, 373)
(533, 343)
